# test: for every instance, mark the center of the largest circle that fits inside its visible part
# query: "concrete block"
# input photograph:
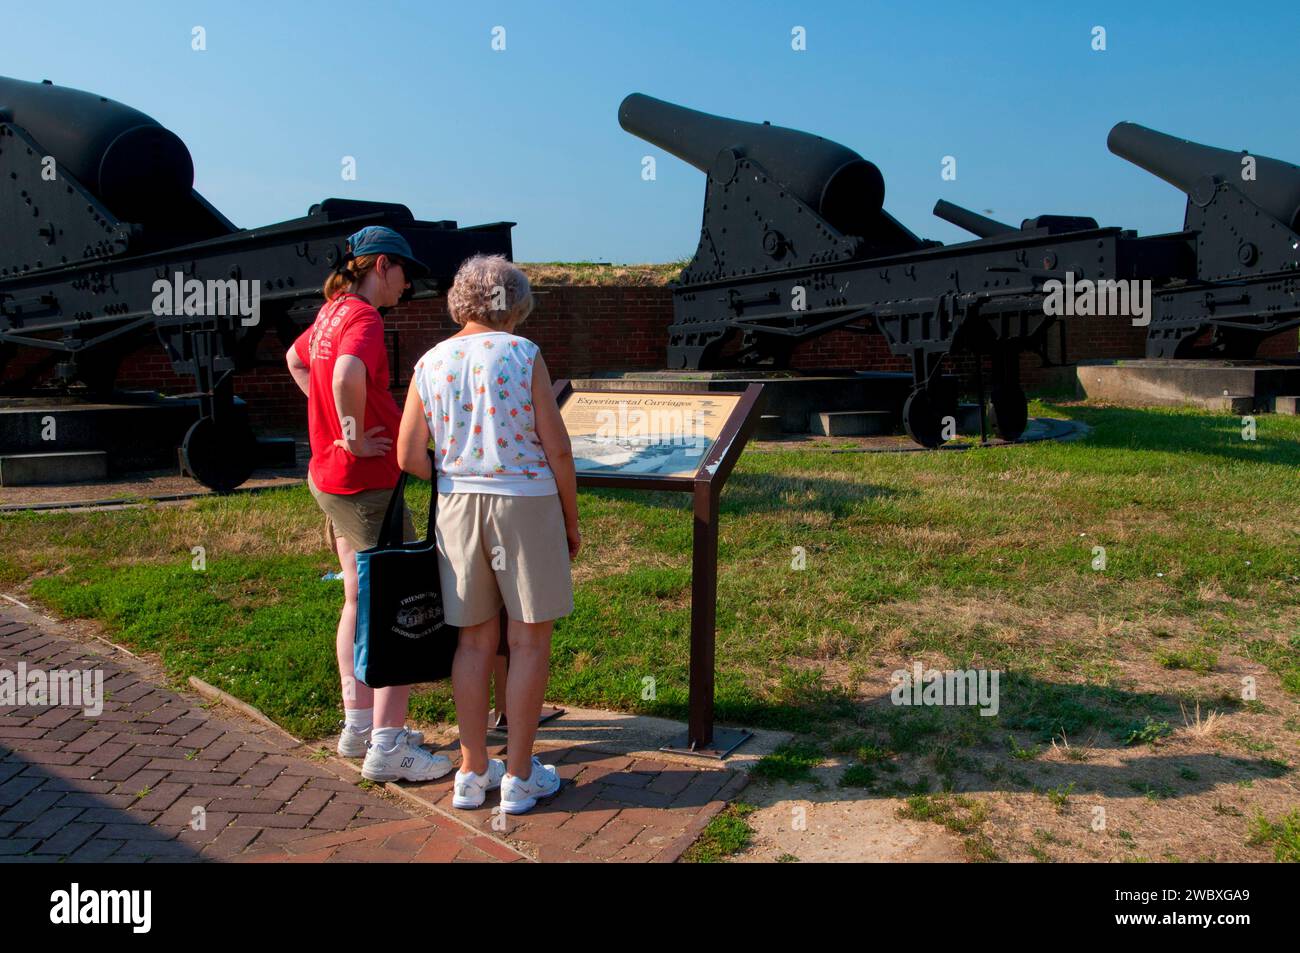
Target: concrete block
(769, 427)
(850, 423)
(1231, 404)
(37, 469)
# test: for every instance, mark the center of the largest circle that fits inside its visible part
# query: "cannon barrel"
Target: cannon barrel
(844, 188)
(973, 222)
(1184, 164)
(137, 168)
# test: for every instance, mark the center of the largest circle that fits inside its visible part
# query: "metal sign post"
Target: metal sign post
(702, 737)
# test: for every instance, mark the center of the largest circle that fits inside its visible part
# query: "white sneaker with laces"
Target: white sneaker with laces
(403, 762)
(352, 744)
(519, 795)
(471, 788)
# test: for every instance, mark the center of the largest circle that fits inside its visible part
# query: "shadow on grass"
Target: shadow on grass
(896, 750)
(746, 493)
(1276, 442)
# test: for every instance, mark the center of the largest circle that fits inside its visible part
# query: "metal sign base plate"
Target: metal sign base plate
(498, 723)
(725, 741)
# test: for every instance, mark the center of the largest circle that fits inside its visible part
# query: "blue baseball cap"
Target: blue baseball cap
(379, 240)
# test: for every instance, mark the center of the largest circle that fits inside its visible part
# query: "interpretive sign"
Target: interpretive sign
(636, 433)
(671, 440)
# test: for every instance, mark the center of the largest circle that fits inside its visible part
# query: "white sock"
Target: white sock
(359, 720)
(384, 738)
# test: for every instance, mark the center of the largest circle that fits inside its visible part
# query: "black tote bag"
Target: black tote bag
(401, 636)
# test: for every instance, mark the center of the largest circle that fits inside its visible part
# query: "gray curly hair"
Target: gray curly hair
(490, 290)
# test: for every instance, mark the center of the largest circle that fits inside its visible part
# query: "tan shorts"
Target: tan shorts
(529, 573)
(358, 517)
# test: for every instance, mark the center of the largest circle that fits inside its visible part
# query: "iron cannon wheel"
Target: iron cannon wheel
(221, 456)
(1010, 412)
(922, 420)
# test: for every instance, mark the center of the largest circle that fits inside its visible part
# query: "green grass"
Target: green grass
(857, 776)
(1283, 835)
(902, 550)
(1199, 659)
(790, 762)
(728, 833)
(1148, 732)
(547, 273)
(960, 814)
(1060, 797)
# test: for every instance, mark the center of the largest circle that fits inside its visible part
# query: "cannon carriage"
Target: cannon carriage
(98, 207)
(795, 242)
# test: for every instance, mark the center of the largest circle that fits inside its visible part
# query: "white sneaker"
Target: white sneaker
(471, 788)
(402, 762)
(352, 744)
(519, 796)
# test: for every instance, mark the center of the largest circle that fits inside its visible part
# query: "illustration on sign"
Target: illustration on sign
(629, 433)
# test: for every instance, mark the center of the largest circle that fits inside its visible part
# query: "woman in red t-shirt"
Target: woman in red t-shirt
(341, 364)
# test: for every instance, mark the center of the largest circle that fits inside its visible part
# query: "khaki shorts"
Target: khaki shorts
(531, 575)
(358, 517)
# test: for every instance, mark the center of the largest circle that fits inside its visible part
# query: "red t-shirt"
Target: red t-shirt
(348, 324)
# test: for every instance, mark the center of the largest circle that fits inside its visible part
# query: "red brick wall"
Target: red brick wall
(1284, 344)
(587, 328)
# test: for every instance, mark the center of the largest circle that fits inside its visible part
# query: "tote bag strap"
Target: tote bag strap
(390, 534)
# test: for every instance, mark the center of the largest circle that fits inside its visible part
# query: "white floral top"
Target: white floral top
(477, 396)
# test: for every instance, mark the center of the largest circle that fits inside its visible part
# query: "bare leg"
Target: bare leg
(355, 694)
(469, 683)
(390, 706)
(530, 658)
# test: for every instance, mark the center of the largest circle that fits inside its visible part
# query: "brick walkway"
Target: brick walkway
(125, 786)
(611, 808)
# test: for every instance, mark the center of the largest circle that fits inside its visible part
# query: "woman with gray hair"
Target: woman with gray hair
(507, 523)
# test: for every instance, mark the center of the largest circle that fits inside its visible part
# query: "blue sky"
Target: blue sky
(439, 121)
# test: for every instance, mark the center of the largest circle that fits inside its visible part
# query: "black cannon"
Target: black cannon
(98, 207)
(1238, 276)
(795, 242)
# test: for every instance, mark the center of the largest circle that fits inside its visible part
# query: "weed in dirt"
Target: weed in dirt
(727, 834)
(857, 776)
(1200, 659)
(1283, 835)
(1147, 732)
(1060, 797)
(793, 761)
(1020, 753)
